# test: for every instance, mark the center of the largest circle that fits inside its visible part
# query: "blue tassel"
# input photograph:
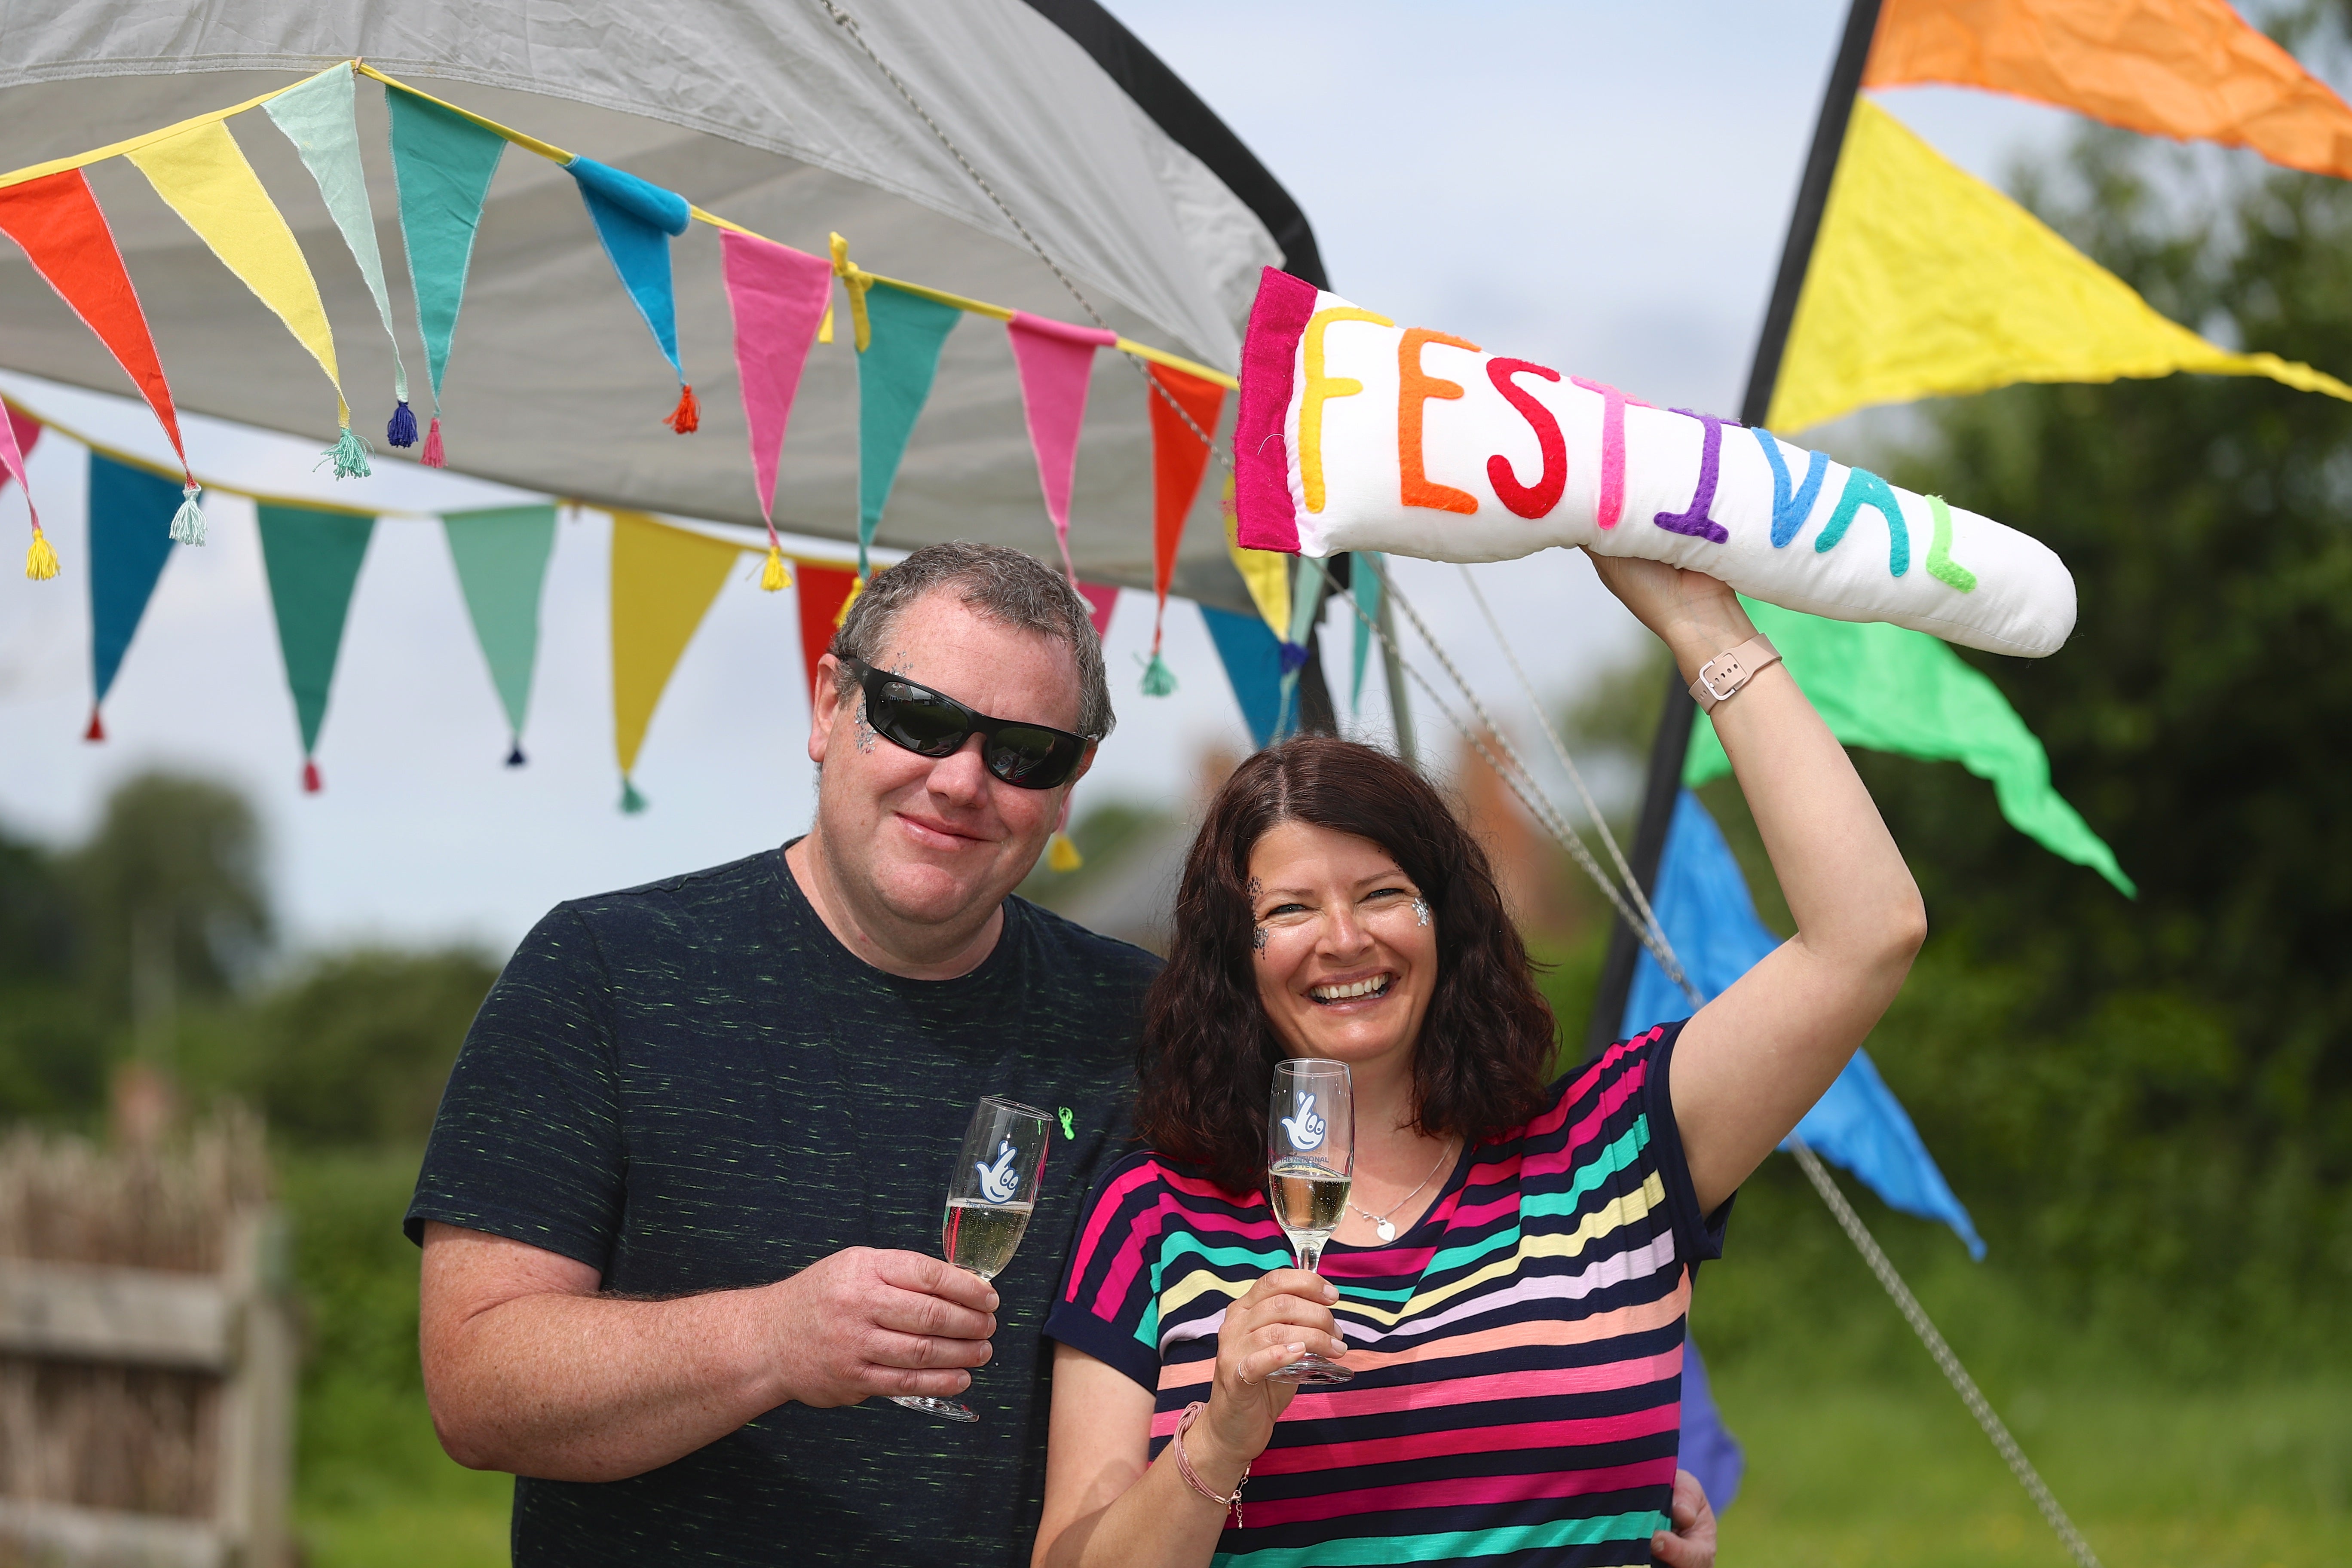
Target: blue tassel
(631, 801)
(350, 456)
(1294, 657)
(1158, 680)
(401, 431)
(514, 757)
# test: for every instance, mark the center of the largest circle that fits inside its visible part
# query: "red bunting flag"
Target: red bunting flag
(823, 591)
(1184, 410)
(57, 222)
(1055, 359)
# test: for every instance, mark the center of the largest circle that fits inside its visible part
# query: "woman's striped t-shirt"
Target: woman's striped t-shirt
(1518, 1352)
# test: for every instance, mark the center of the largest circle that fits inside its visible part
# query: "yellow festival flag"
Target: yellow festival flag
(1927, 282)
(1266, 572)
(664, 580)
(202, 175)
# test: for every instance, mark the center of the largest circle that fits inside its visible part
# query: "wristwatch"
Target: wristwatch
(1725, 673)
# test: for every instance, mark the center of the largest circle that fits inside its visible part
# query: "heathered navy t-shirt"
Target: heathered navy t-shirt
(692, 1086)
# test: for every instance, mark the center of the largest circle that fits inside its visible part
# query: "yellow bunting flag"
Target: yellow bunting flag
(1927, 282)
(1266, 572)
(202, 175)
(664, 580)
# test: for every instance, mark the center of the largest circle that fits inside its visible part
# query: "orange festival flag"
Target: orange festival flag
(2193, 69)
(1184, 410)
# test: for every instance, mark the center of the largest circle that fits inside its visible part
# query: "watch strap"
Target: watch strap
(1727, 672)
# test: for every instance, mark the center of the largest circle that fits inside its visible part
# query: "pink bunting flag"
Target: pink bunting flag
(1101, 599)
(1055, 359)
(18, 432)
(778, 296)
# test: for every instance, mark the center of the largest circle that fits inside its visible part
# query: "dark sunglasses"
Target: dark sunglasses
(933, 724)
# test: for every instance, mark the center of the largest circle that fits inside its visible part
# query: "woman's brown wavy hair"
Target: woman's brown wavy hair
(1206, 1061)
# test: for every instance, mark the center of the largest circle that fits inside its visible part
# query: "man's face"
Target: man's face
(932, 839)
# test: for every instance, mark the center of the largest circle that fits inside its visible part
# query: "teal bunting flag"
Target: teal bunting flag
(636, 221)
(1252, 660)
(501, 555)
(129, 538)
(1365, 580)
(314, 560)
(317, 116)
(1306, 598)
(442, 163)
(893, 380)
(1892, 689)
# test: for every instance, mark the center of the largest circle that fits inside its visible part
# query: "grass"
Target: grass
(1860, 1474)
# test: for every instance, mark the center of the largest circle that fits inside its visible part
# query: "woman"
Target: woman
(1510, 1281)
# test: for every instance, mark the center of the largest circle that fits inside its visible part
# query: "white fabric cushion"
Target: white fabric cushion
(1326, 470)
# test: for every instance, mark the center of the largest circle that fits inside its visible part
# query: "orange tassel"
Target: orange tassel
(687, 417)
(96, 731)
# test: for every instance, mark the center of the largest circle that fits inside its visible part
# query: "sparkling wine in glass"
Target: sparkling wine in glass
(1310, 1157)
(991, 1192)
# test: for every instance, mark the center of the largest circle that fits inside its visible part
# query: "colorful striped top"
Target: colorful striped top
(1518, 1352)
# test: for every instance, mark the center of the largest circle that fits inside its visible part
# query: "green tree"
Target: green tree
(356, 1050)
(2156, 1096)
(169, 894)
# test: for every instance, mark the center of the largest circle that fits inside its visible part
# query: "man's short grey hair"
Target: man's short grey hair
(997, 583)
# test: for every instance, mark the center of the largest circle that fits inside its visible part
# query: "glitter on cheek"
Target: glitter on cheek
(1258, 939)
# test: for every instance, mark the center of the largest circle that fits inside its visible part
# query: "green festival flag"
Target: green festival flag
(442, 163)
(501, 555)
(895, 372)
(1897, 690)
(316, 117)
(313, 559)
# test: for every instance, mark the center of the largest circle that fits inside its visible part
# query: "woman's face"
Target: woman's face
(1345, 949)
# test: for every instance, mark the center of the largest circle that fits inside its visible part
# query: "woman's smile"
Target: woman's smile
(1343, 946)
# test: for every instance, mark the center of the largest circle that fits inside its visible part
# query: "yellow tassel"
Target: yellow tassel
(40, 560)
(1062, 855)
(857, 586)
(775, 577)
(856, 279)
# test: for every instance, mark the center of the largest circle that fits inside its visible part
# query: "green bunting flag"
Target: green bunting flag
(501, 555)
(313, 559)
(895, 371)
(126, 551)
(1904, 691)
(442, 163)
(316, 117)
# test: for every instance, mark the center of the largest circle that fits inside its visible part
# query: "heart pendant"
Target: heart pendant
(1386, 1230)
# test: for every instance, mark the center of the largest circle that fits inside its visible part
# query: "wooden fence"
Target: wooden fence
(147, 1355)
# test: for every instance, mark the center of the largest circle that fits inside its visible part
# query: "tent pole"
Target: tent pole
(1673, 741)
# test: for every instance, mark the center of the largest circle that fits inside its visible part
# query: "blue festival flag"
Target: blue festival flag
(130, 510)
(1253, 660)
(637, 219)
(1701, 902)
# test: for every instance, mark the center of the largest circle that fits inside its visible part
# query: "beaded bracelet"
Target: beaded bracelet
(1184, 1467)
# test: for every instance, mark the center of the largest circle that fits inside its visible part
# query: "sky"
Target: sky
(1598, 186)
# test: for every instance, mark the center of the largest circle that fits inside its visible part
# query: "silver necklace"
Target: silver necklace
(1382, 1226)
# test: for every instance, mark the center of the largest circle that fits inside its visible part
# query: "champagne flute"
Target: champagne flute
(991, 1192)
(1310, 1158)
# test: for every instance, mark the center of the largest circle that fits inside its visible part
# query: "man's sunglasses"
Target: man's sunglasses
(933, 724)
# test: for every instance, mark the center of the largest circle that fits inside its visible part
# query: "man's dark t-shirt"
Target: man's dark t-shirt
(693, 1086)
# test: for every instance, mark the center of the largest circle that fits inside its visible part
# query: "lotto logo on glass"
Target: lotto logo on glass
(1000, 1181)
(1306, 1127)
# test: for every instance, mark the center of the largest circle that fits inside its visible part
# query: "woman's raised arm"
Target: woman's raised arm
(1756, 1058)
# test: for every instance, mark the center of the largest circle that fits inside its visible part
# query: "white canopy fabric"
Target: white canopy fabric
(768, 113)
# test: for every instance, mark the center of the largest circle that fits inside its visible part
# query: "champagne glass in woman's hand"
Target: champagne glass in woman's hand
(1310, 1157)
(990, 1193)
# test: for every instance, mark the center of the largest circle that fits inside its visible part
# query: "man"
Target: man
(681, 1208)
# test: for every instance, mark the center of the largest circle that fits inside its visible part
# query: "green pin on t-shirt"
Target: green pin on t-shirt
(1068, 1132)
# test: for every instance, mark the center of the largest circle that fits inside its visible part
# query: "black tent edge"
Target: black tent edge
(1191, 124)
